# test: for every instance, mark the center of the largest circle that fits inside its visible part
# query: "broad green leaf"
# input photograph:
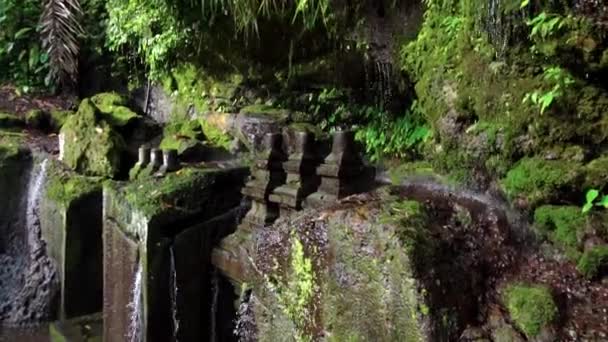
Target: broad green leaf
(592, 195)
(21, 33)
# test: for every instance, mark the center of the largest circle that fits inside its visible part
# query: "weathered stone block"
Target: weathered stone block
(170, 226)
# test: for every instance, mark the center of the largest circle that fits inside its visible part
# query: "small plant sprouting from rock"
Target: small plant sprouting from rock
(295, 295)
(531, 307)
(593, 199)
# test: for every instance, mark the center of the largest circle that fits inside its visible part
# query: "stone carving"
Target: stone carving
(342, 173)
(170, 163)
(302, 179)
(267, 175)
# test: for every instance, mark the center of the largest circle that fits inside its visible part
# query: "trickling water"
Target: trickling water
(28, 276)
(136, 307)
(215, 290)
(378, 76)
(174, 290)
(245, 327)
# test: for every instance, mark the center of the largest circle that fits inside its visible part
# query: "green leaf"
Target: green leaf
(524, 3)
(587, 207)
(603, 202)
(21, 33)
(592, 195)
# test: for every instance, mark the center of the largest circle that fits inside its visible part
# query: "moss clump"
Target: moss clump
(537, 179)
(215, 136)
(11, 145)
(531, 307)
(181, 135)
(596, 173)
(10, 121)
(179, 191)
(565, 225)
(418, 168)
(113, 109)
(92, 146)
(593, 261)
(64, 187)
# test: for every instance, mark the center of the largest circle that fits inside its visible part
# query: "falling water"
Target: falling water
(215, 290)
(173, 285)
(245, 327)
(136, 319)
(28, 277)
(378, 76)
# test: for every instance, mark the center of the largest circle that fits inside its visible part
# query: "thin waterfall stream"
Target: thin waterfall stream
(174, 292)
(28, 279)
(136, 307)
(215, 290)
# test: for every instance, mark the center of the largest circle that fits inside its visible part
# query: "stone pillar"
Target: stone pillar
(302, 179)
(342, 173)
(267, 174)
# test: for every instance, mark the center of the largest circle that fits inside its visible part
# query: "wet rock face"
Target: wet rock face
(253, 123)
(28, 282)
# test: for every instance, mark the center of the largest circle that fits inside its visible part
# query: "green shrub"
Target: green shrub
(531, 307)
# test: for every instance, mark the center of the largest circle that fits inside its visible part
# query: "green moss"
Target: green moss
(593, 261)
(531, 307)
(11, 145)
(215, 136)
(180, 135)
(64, 187)
(112, 108)
(177, 191)
(564, 225)
(538, 180)
(58, 118)
(10, 121)
(92, 146)
(596, 173)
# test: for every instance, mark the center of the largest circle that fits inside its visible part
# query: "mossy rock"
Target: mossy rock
(182, 135)
(58, 117)
(11, 145)
(215, 136)
(10, 121)
(565, 225)
(91, 146)
(64, 187)
(531, 307)
(539, 180)
(593, 261)
(113, 109)
(596, 173)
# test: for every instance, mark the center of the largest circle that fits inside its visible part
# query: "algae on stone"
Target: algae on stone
(10, 121)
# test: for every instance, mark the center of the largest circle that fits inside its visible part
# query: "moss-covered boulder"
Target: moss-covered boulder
(113, 108)
(539, 180)
(36, 118)
(531, 307)
(89, 144)
(596, 173)
(183, 136)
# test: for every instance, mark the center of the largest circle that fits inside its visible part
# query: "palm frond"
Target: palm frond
(60, 32)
